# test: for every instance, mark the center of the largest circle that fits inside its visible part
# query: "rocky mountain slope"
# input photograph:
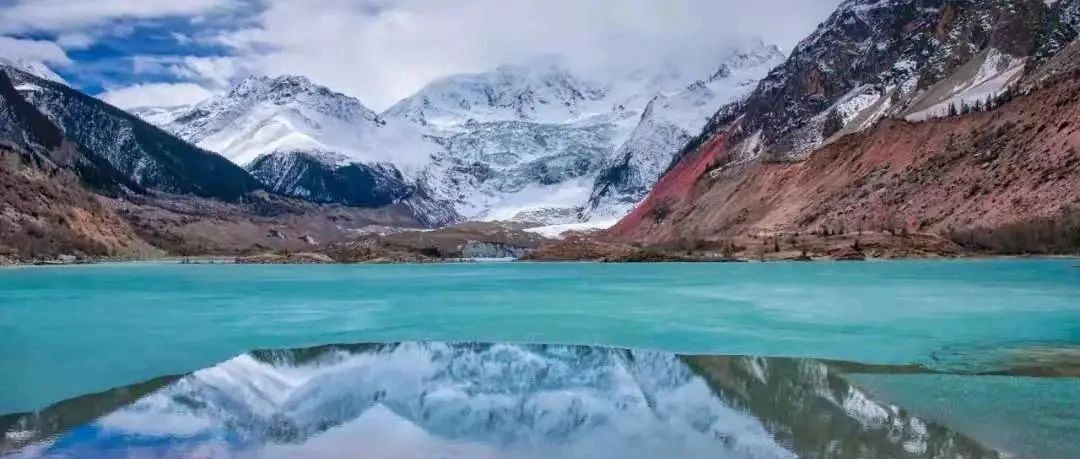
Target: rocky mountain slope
(863, 128)
(144, 155)
(669, 122)
(525, 142)
(45, 213)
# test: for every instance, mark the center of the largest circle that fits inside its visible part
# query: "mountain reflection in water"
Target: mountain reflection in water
(487, 401)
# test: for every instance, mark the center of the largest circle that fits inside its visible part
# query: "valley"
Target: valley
(949, 129)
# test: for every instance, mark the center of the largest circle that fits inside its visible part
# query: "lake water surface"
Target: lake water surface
(962, 352)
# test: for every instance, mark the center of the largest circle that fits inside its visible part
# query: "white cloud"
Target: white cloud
(212, 71)
(155, 95)
(382, 51)
(16, 49)
(69, 15)
(217, 71)
(74, 40)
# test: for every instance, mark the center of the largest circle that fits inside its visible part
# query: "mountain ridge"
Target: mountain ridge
(142, 153)
(947, 50)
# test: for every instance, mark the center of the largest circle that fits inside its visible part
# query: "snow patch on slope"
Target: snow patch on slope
(995, 73)
(559, 231)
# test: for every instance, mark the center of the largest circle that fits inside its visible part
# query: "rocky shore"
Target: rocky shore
(469, 241)
(755, 247)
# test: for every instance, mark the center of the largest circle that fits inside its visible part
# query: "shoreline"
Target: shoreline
(239, 260)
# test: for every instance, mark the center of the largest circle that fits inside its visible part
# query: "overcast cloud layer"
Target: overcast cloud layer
(377, 50)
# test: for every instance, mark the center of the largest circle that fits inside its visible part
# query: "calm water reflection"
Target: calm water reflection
(435, 400)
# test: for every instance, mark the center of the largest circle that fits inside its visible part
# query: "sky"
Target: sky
(172, 52)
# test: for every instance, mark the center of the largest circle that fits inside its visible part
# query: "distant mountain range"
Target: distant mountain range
(533, 142)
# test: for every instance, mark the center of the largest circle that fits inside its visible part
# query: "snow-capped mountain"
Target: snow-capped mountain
(531, 142)
(290, 113)
(304, 140)
(667, 124)
(543, 91)
(24, 128)
(159, 116)
(522, 142)
(871, 60)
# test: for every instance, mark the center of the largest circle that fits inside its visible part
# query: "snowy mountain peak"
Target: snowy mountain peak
(748, 58)
(304, 140)
(543, 91)
(294, 88)
(35, 68)
(262, 115)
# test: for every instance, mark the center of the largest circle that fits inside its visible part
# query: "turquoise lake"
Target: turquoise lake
(76, 330)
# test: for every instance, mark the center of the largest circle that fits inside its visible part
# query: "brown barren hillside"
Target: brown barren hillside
(45, 212)
(1018, 163)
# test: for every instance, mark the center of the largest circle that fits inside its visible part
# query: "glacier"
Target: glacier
(538, 142)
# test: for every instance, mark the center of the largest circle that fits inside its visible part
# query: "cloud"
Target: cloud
(213, 71)
(74, 40)
(16, 49)
(67, 16)
(155, 95)
(382, 51)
